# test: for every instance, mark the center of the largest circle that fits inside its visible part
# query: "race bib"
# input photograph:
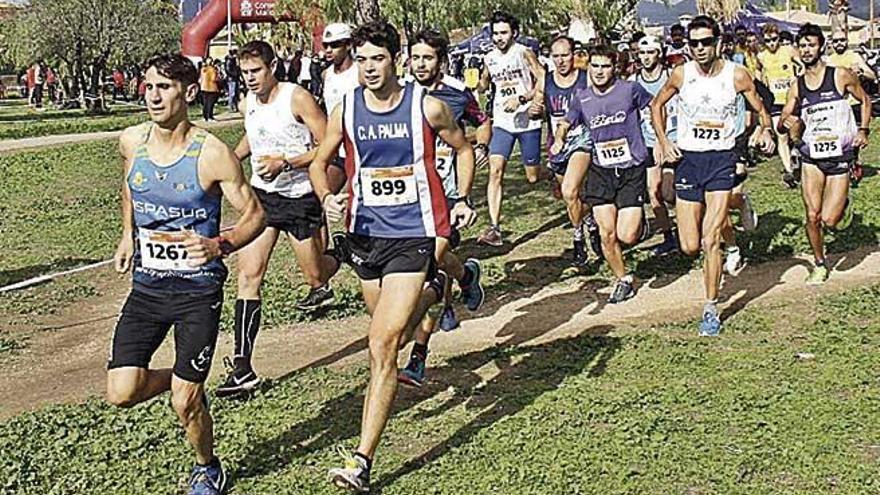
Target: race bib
(389, 186)
(614, 152)
(163, 251)
(444, 157)
(508, 88)
(780, 85)
(708, 131)
(826, 147)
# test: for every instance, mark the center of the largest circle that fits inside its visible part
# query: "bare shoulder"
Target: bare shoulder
(434, 107)
(215, 153)
(301, 95)
(131, 137)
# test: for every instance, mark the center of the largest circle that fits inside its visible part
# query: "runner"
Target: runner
(830, 140)
(175, 178)
(570, 165)
(615, 187)
(707, 89)
(428, 51)
(652, 77)
(776, 71)
(518, 78)
(339, 78)
(394, 208)
(282, 121)
(676, 50)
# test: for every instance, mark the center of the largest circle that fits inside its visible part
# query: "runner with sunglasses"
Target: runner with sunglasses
(707, 88)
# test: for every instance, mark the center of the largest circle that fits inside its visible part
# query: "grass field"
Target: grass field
(641, 409)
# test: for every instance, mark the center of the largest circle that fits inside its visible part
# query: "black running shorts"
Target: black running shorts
(145, 320)
(829, 168)
(302, 217)
(372, 258)
(622, 187)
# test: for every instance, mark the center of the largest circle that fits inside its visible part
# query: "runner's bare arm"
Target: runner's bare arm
(334, 204)
(483, 86)
(865, 70)
(305, 108)
(851, 85)
(243, 150)
(536, 96)
(559, 136)
(125, 250)
(665, 151)
(440, 118)
(743, 83)
(221, 167)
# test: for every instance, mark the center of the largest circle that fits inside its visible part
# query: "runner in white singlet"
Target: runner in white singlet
(339, 78)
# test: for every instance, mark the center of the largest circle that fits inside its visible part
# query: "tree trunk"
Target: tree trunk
(367, 11)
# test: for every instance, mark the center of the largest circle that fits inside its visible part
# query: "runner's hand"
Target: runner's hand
(789, 122)
(764, 141)
(861, 139)
(463, 216)
(124, 254)
(536, 110)
(511, 104)
(671, 153)
(268, 167)
(335, 205)
(200, 250)
(659, 156)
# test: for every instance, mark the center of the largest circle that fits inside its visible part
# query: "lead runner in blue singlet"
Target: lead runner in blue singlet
(394, 208)
(175, 177)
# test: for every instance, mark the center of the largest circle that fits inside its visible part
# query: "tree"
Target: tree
(722, 10)
(84, 39)
(608, 15)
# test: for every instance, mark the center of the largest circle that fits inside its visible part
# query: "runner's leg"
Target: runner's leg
(188, 401)
(717, 207)
(606, 217)
(813, 185)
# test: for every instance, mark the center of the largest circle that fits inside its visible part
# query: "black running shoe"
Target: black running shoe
(790, 180)
(595, 237)
(623, 291)
(317, 297)
(580, 253)
(240, 378)
(340, 249)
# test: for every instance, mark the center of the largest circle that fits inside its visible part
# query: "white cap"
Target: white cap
(650, 43)
(337, 31)
(623, 47)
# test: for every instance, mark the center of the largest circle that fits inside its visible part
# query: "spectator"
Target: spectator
(210, 88)
(52, 85)
(315, 70)
(305, 73)
(119, 85)
(677, 50)
(295, 67)
(280, 69)
(39, 80)
(233, 80)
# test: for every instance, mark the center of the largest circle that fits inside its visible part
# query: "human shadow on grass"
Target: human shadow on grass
(848, 247)
(20, 274)
(469, 247)
(525, 374)
(520, 382)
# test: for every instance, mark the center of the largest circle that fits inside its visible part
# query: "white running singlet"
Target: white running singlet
(273, 131)
(707, 109)
(512, 78)
(337, 85)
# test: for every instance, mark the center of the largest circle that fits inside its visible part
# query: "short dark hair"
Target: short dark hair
(810, 29)
(380, 33)
(174, 66)
(727, 38)
(786, 36)
(739, 27)
(637, 36)
(505, 17)
(705, 22)
(603, 51)
(435, 39)
(564, 38)
(676, 28)
(258, 49)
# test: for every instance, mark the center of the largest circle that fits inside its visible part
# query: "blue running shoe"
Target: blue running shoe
(448, 321)
(472, 295)
(208, 480)
(414, 373)
(711, 324)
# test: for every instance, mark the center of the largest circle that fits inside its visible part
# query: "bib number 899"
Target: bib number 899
(388, 187)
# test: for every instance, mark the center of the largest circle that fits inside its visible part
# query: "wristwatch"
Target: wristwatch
(287, 166)
(226, 247)
(466, 200)
(481, 146)
(523, 100)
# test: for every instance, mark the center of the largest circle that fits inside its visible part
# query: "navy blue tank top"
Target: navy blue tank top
(166, 200)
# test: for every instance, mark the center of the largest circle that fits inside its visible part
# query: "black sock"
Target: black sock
(467, 279)
(247, 324)
(367, 461)
(420, 349)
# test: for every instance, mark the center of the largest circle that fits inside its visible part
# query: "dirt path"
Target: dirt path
(66, 363)
(11, 145)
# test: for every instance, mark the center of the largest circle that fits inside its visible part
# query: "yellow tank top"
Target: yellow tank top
(846, 60)
(777, 70)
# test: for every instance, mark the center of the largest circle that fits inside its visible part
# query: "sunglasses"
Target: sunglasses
(843, 40)
(704, 42)
(770, 40)
(335, 44)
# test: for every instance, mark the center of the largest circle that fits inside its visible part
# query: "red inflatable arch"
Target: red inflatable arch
(198, 32)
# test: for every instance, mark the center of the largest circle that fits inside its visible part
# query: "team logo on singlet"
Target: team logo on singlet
(139, 179)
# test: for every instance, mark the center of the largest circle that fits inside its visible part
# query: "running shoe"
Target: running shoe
(414, 372)
(789, 180)
(354, 476)
(646, 232)
(711, 324)
(240, 378)
(448, 321)
(733, 261)
(207, 480)
(317, 297)
(818, 276)
(595, 237)
(491, 237)
(622, 291)
(669, 244)
(749, 217)
(580, 253)
(472, 294)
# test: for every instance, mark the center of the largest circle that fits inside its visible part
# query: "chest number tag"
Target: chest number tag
(708, 130)
(391, 186)
(163, 250)
(613, 152)
(444, 157)
(826, 147)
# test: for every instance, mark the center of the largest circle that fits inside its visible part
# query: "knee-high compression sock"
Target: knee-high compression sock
(247, 324)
